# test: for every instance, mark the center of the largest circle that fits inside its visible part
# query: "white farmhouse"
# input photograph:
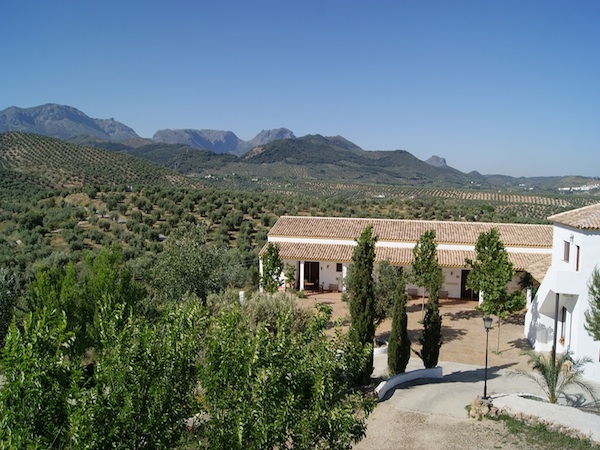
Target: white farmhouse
(563, 295)
(320, 248)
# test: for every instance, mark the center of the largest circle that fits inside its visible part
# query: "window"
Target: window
(577, 258)
(566, 251)
(338, 267)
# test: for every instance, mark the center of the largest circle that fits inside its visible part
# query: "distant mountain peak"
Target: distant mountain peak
(214, 140)
(220, 141)
(266, 136)
(437, 161)
(62, 122)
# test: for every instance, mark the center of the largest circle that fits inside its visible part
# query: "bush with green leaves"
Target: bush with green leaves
(122, 381)
(277, 387)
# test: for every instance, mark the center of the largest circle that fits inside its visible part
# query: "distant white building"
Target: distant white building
(564, 291)
(320, 248)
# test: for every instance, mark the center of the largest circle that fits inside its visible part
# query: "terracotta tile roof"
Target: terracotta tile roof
(512, 235)
(535, 263)
(586, 218)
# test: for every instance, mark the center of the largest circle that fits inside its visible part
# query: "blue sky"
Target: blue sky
(510, 87)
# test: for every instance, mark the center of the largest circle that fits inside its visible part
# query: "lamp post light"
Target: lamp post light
(487, 324)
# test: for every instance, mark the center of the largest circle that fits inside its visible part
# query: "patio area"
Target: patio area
(462, 328)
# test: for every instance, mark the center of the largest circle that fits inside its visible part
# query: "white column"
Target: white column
(301, 275)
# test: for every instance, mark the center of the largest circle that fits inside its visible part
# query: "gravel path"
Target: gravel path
(392, 429)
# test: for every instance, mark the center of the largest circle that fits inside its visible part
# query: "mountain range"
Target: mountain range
(66, 122)
(275, 157)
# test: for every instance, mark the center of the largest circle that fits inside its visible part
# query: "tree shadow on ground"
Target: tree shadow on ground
(414, 308)
(343, 322)
(385, 336)
(463, 315)
(580, 401)
(516, 344)
(451, 334)
(515, 319)
(448, 334)
(458, 302)
(461, 376)
(326, 302)
(521, 344)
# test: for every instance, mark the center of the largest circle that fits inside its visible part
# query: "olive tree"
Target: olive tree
(191, 264)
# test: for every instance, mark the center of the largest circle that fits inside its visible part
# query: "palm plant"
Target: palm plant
(555, 376)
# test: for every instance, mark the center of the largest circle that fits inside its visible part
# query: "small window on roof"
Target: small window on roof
(338, 267)
(566, 251)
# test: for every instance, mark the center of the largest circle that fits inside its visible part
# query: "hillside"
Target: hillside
(62, 122)
(65, 164)
(336, 159)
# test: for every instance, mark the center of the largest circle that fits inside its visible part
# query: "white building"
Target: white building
(564, 292)
(320, 248)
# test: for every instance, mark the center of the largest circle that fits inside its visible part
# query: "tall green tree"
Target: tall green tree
(362, 298)
(399, 342)
(490, 273)
(425, 268)
(272, 267)
(592, 316)
(189, 263)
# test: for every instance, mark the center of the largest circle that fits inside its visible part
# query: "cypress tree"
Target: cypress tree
(399, 343)
(362, 298)
(432, 333)
(430, 274)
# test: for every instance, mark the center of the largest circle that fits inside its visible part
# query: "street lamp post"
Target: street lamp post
(487, 323)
